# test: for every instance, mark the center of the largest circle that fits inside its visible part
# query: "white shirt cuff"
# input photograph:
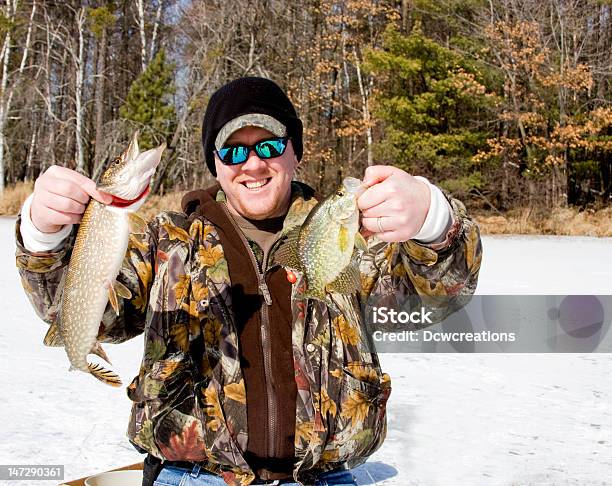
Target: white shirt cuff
(35, 240)
(439, 217)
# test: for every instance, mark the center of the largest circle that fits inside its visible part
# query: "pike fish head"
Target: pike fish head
(128, 175)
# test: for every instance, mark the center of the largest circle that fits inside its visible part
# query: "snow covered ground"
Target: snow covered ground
(551, 265)
(480, 419)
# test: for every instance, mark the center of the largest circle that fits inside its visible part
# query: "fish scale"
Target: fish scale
(322, 258)
(96, 260)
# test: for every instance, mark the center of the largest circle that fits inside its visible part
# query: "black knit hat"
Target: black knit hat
(246, 96)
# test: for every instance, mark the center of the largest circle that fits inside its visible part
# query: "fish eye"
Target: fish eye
(340, 192)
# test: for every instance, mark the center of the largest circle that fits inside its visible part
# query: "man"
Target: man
(242, 381)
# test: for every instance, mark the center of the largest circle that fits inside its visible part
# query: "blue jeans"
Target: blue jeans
(178, 476)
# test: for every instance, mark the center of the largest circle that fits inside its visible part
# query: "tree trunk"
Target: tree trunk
(3, 108)
(365, 109)
(100, 97)
(79, 65)
(158, 13)
(602, 33)
(406, 16)
(5, 97)
(143, 39)
(28, 169)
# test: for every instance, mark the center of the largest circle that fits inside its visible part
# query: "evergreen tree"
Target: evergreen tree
(149, 103)
(428, 100)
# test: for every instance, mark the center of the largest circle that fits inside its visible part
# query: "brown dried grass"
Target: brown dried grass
(526, 221)
(560, 221)
(13, 197)
(156, 204)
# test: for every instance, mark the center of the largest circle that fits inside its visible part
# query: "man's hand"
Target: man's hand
(60, 197)
(395, 204)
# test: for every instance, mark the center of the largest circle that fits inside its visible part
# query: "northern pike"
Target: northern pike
(99, 249)
(323, 247)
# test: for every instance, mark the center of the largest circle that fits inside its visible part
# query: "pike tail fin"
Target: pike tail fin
(105, 376)
(53, 336)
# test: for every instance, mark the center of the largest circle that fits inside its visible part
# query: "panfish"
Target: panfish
(323, 247)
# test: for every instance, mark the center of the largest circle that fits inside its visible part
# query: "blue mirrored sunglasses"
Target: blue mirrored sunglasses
(265, 149)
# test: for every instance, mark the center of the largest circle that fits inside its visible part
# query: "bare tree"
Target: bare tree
(143, 37)
(78, 58)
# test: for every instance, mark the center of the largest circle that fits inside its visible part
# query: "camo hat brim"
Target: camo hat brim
(261, 120)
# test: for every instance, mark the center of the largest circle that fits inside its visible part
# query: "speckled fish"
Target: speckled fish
(323, 247)
(97, 256)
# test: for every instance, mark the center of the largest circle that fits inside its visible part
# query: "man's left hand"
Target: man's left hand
(395, 205)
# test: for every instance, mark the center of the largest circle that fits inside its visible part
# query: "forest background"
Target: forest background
(507, 104)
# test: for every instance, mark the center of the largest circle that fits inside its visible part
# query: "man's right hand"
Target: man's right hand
(60, 198)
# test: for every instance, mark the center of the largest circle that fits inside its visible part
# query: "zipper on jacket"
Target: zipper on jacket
(265, 337)
(261, 278)
(265, 291)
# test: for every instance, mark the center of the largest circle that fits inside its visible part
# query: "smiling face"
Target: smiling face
(257, 189)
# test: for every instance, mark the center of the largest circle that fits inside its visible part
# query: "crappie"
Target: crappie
(322, 248)
(97, 257)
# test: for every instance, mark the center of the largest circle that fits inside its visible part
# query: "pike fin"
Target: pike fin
(137, 224)
(360, 242)
(117, 289)
(287, 253)
(112, 298)
(105, 376)
(99, 351)
(348, 282)
(121, 290)
(53, 337)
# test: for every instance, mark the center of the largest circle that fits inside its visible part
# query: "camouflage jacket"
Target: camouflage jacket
(189, 396)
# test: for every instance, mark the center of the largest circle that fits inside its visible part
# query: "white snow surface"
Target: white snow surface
(465, 419)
